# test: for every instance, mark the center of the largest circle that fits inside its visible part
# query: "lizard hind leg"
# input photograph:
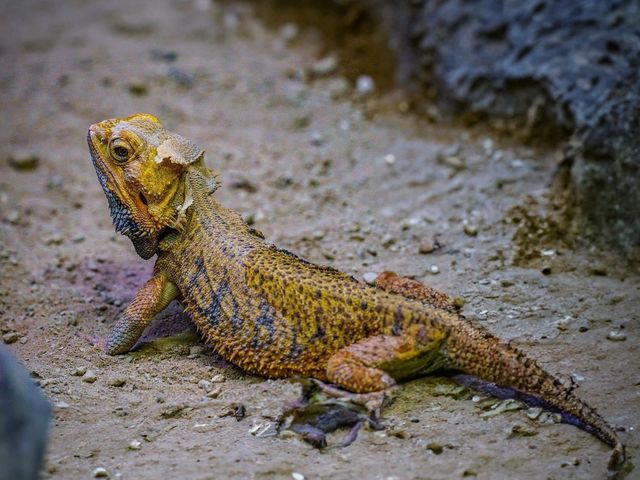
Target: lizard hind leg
(363, 377)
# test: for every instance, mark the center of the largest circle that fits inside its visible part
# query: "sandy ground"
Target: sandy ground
(350, 182)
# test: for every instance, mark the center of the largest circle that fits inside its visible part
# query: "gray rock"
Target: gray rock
(23, 423)
(324, 67)
(89, 376)
(24, 162)
(10, 337)
(370, 277)
(365, 85)
(616, 336)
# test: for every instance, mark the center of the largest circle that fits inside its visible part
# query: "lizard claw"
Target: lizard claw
(325, 408)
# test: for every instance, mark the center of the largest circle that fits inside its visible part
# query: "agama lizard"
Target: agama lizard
(274, 314)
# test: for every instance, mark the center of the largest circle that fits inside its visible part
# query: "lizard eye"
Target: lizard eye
(120, 150)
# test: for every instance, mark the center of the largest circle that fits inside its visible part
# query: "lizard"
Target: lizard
(274, 314)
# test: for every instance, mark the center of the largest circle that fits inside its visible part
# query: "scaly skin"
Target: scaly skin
(274, 314)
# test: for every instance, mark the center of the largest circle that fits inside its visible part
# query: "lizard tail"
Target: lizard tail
(479, 353)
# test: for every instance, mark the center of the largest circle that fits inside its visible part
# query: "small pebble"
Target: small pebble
(100, 473)
(390, 159)
(365, 85)
(426, 248)
(435, 447)
(78, 238)
(534, 412)
(135, 445)
(24, 163)
(297, 476)
(196, 350)
(214, 392)
(79, 371)
(317, 139)
(563, 324)
(289, 32)
(325, 66)
(61, 405)
(616, 336)
(546, 270)
(470, 230)
(206, 385)
(117, 382)
(388, 240)
(338, 87)
(370, 277)
(219, 378)
(138, 89)
(89, 377)
(10, 337)
(434, 269)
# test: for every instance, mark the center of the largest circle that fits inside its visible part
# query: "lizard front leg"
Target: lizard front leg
(151, 299)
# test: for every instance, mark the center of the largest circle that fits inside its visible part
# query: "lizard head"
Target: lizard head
(141, 166)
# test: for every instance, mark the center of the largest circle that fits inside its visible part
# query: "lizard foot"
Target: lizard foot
(324, 408)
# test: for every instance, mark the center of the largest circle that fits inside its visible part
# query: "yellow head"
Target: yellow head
(141, 167)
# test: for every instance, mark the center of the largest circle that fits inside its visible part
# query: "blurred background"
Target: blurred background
(488, 148)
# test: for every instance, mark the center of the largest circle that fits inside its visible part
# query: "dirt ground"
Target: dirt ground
(342, 180)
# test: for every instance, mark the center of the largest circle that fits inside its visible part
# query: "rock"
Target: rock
(135, 445)
(61, 405)
(78, 238)
(522, 430)
(317, 139)
(219, 378)
(168, 56)
(426, 247)
(180, 77)
(100, 472)
(24, 162)
(470, 230)
(79, 371)
(24, 421)
(10, 337)
(289, 32)
(138, 89)
(197, 350)
(297, 476)
(214, 392)
(89, 376)
(616, 336)
(434, 269)
(435, 447)
(390, 159)
(365, 86)
(370, 277)
(563, 323)
(388, 240)
(117, 382)
(533, 413)
(324, 67)
(337, 88)
(206, 385)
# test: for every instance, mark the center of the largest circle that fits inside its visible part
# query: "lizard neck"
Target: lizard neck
(224, 226)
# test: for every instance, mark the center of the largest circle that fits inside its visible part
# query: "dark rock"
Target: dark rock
(23, 423)
(549, 70)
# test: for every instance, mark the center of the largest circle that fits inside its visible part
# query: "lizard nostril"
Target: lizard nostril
(143, 199)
